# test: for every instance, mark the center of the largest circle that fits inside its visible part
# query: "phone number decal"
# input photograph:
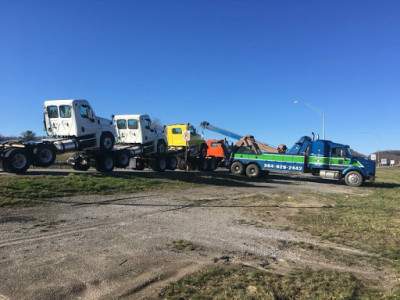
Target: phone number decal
(283, 167)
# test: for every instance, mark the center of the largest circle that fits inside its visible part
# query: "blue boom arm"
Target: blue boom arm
(208, 126)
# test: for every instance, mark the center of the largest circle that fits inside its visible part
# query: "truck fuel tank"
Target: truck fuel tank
(66, 145)
(329, 174)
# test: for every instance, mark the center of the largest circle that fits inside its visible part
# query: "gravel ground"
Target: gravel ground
(107, 247)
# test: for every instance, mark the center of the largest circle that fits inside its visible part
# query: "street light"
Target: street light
(321, 112)
(377, 144)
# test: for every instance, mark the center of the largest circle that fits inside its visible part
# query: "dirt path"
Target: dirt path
(96, 247)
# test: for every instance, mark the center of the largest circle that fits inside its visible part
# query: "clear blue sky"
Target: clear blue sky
(236, 64)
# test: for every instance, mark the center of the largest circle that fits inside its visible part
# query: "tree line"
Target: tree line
(25, 136)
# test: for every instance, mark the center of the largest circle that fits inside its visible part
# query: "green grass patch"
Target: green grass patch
(31, 188)
(370, 223)
(242, 282)
(28, 189)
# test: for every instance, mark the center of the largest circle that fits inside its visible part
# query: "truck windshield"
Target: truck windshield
(65, 111)
(52, 111)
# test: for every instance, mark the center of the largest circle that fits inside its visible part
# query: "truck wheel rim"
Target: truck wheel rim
(19, 161)
(46, 155)
(107, 143)
(174, 163)
(124, 159)
(161, 148)
(162, 164)
(353, 178)
(108, 163)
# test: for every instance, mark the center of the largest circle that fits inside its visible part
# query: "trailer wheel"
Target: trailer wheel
(158, 164)
(161, 148)
(107, 141)
(203, 150)
(44, 155)
(203, 165)
(211, 164)
(172, 162)
(104, 163)
(237, 168)
(122, 159)
(16, 160)
(354, 178)
(253, 170)
(181, 163)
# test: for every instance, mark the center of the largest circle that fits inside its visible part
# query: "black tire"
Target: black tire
(253, 170)
(122, 159)
(105, 163)
(203, 150)
(16, 160)
(354, 178)
(237, 168)
(172, 162)
(3, 167)
(161, 147)
(212, 164)
(2, 161)
(158, 164)
(107, 141)
(44, 155)
(203, 165)
(181, 163)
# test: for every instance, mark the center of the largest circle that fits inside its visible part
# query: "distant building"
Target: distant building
(384, 161)
(392, 162)
(373, 157)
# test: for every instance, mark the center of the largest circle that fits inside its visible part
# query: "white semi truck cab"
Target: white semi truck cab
(71, 126)
(139, 145)
(137, 130)
(75, 119)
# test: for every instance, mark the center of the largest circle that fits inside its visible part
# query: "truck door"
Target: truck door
(86, 120)
(147, 131)
(337, 158)
(177, 137)
(122, 130)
